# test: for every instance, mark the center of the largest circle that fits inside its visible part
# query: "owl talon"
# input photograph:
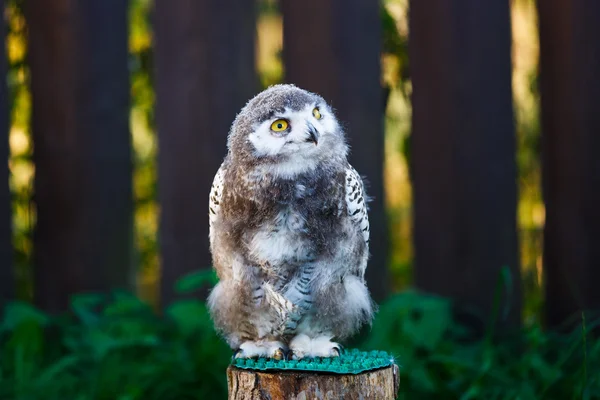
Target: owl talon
(239, 353)
(289, 355)
(339, 348)
(279, 354)
(337, 351)
(261, 348)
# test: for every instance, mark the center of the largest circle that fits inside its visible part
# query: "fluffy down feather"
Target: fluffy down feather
(289, 231)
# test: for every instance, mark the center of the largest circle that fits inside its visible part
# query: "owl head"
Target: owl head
(286, 130)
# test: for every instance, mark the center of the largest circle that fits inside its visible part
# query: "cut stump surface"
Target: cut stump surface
(379, 384)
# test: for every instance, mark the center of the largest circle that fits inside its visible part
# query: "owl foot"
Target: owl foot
(261, 348)
(303, 346)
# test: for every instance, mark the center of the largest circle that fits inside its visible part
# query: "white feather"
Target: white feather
(280, 241)
(300, 155)
(357, 295)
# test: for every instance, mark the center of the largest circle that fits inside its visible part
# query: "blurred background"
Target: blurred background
(474, 123)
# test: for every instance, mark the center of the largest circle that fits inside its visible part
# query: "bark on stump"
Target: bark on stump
(379, 384)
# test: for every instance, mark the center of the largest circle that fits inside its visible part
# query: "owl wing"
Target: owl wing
(214, 201)
(356, 201)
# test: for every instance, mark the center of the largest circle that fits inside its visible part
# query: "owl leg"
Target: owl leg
(240, 317)
(303, 345)
(340, 307)
(261, 348)
(312, 339)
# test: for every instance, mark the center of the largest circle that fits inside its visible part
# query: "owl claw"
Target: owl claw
(289, 355)
(237, 353)
(279, 354)
(336, 351)
(260, 348)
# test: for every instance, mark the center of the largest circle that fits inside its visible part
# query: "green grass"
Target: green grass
(115, 347)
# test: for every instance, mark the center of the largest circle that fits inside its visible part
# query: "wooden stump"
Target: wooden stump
(380, 384)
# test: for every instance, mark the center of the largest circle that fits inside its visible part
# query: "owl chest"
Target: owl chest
(283, 239)
(296, 217)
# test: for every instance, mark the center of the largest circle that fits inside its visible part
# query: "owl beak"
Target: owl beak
(313, 134)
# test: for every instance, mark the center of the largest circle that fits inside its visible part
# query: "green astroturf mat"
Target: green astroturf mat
(352, 361)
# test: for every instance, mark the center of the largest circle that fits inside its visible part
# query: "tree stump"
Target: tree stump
(378, 384)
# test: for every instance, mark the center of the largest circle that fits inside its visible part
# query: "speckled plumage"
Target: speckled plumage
(289, 231)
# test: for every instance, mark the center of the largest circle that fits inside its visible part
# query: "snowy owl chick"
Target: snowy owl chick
(289, 232)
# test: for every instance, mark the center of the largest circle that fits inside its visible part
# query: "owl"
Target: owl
(289, 231)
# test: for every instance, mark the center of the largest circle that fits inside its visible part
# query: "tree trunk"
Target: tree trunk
(204, 75)
(381, 384)
(82, 147)
(7, 278)
(570, 100)
(463, 153)
(333, 47)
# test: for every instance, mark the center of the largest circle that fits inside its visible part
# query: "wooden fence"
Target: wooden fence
(463, 167)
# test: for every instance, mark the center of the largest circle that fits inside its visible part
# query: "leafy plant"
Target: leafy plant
(114, 346)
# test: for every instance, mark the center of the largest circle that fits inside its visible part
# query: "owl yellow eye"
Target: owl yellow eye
(279, 125)
(317, 113)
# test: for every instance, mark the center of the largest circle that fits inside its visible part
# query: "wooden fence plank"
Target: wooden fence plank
(204, 52)
(570, 100)
(82, 147)
(463, 152)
